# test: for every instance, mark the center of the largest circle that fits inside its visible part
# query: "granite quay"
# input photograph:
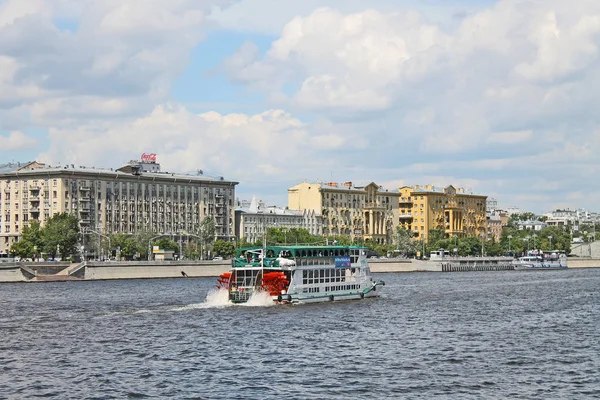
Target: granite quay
(89, 271)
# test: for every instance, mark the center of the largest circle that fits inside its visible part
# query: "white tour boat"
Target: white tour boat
(300, 274)
(538, 260)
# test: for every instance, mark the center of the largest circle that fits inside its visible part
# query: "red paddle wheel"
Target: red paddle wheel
(274, 283)
(223, 281)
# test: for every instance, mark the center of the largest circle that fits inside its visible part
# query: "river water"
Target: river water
(472, 335)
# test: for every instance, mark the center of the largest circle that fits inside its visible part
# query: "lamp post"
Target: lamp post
(526, 238)
(534, 236)
(455, 245)
(550, 239)
(99, 236)
(35, 248)
(509, 237)
(482, 243)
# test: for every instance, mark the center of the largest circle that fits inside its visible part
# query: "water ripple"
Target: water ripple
(491, 335)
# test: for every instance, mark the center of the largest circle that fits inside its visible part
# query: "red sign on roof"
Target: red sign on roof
(151, 157)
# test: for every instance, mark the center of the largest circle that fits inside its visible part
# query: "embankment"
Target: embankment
(38, 272)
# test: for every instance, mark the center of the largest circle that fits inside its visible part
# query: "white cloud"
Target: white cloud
(270, 145)
(122, 57)
(511, 64)
(491, 97)
(511, 137)
(16, 140)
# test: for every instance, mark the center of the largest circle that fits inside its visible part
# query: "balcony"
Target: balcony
(405, 216)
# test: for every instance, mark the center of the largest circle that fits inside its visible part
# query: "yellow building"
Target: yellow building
(359, 212)
(453, 210)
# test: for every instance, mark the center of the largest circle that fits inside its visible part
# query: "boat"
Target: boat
(300, 274)
(538, 260)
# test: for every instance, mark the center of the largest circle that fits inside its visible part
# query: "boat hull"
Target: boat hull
(306, 298)
(536, 268)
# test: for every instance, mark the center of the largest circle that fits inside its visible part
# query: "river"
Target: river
(472, 335)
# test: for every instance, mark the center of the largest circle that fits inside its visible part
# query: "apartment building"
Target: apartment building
(135, 197)
(453, 210)
(360, 212)
(254, 218)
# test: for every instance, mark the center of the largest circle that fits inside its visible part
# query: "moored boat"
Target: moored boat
(538, 260)
(300, 274)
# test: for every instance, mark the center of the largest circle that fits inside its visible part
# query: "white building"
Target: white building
(254, 218)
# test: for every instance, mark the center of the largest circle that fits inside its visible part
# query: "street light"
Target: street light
(509, 237)
(526, 238)
(104, 236)
(455, 244)
(550, 239)
(534, 236)
(482, 243)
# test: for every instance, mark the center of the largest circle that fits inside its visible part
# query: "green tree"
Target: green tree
(404, 242)
(127, 245)
(60, 235)
(30, 243)
(435, 239)
(141, 239)
(166, 243)
(223, 248)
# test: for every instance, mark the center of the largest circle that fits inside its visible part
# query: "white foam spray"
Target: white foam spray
(217, 298)
(259, 299)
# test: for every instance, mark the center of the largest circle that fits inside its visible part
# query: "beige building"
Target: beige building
(136, 197)
(359, 212)
(451, 209)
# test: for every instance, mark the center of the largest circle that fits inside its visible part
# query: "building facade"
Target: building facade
(359, 212)
(252, 220)
(136, 197)
(450, 209)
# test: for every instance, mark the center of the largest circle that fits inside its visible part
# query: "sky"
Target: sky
(497, 97)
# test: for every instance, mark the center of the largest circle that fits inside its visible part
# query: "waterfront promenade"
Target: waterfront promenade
(46, 272)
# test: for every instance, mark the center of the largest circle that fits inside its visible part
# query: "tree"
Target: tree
(30, 243)
(141, 239)
(166, 243)
(128, 247)
(60, 235)
(403, 240)
(206, 232)
(223, 249)
(435, 239)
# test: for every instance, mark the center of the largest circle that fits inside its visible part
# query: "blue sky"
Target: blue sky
(494, 96)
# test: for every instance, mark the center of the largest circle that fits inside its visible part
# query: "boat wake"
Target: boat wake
(219, 298)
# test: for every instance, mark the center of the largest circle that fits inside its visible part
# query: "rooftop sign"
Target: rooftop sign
(151, 157)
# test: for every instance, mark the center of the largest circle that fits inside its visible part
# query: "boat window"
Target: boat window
(337, 252)
(303, 253)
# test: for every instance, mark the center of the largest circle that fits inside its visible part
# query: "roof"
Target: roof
(110, 173)
(12, 166)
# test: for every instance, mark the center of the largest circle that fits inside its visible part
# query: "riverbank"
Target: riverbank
(44, 272)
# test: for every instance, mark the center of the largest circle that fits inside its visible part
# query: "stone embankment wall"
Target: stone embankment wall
(36, 272)
(11, 273)
(143, 270)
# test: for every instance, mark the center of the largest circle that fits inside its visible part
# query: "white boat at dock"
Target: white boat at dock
(538, 260)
